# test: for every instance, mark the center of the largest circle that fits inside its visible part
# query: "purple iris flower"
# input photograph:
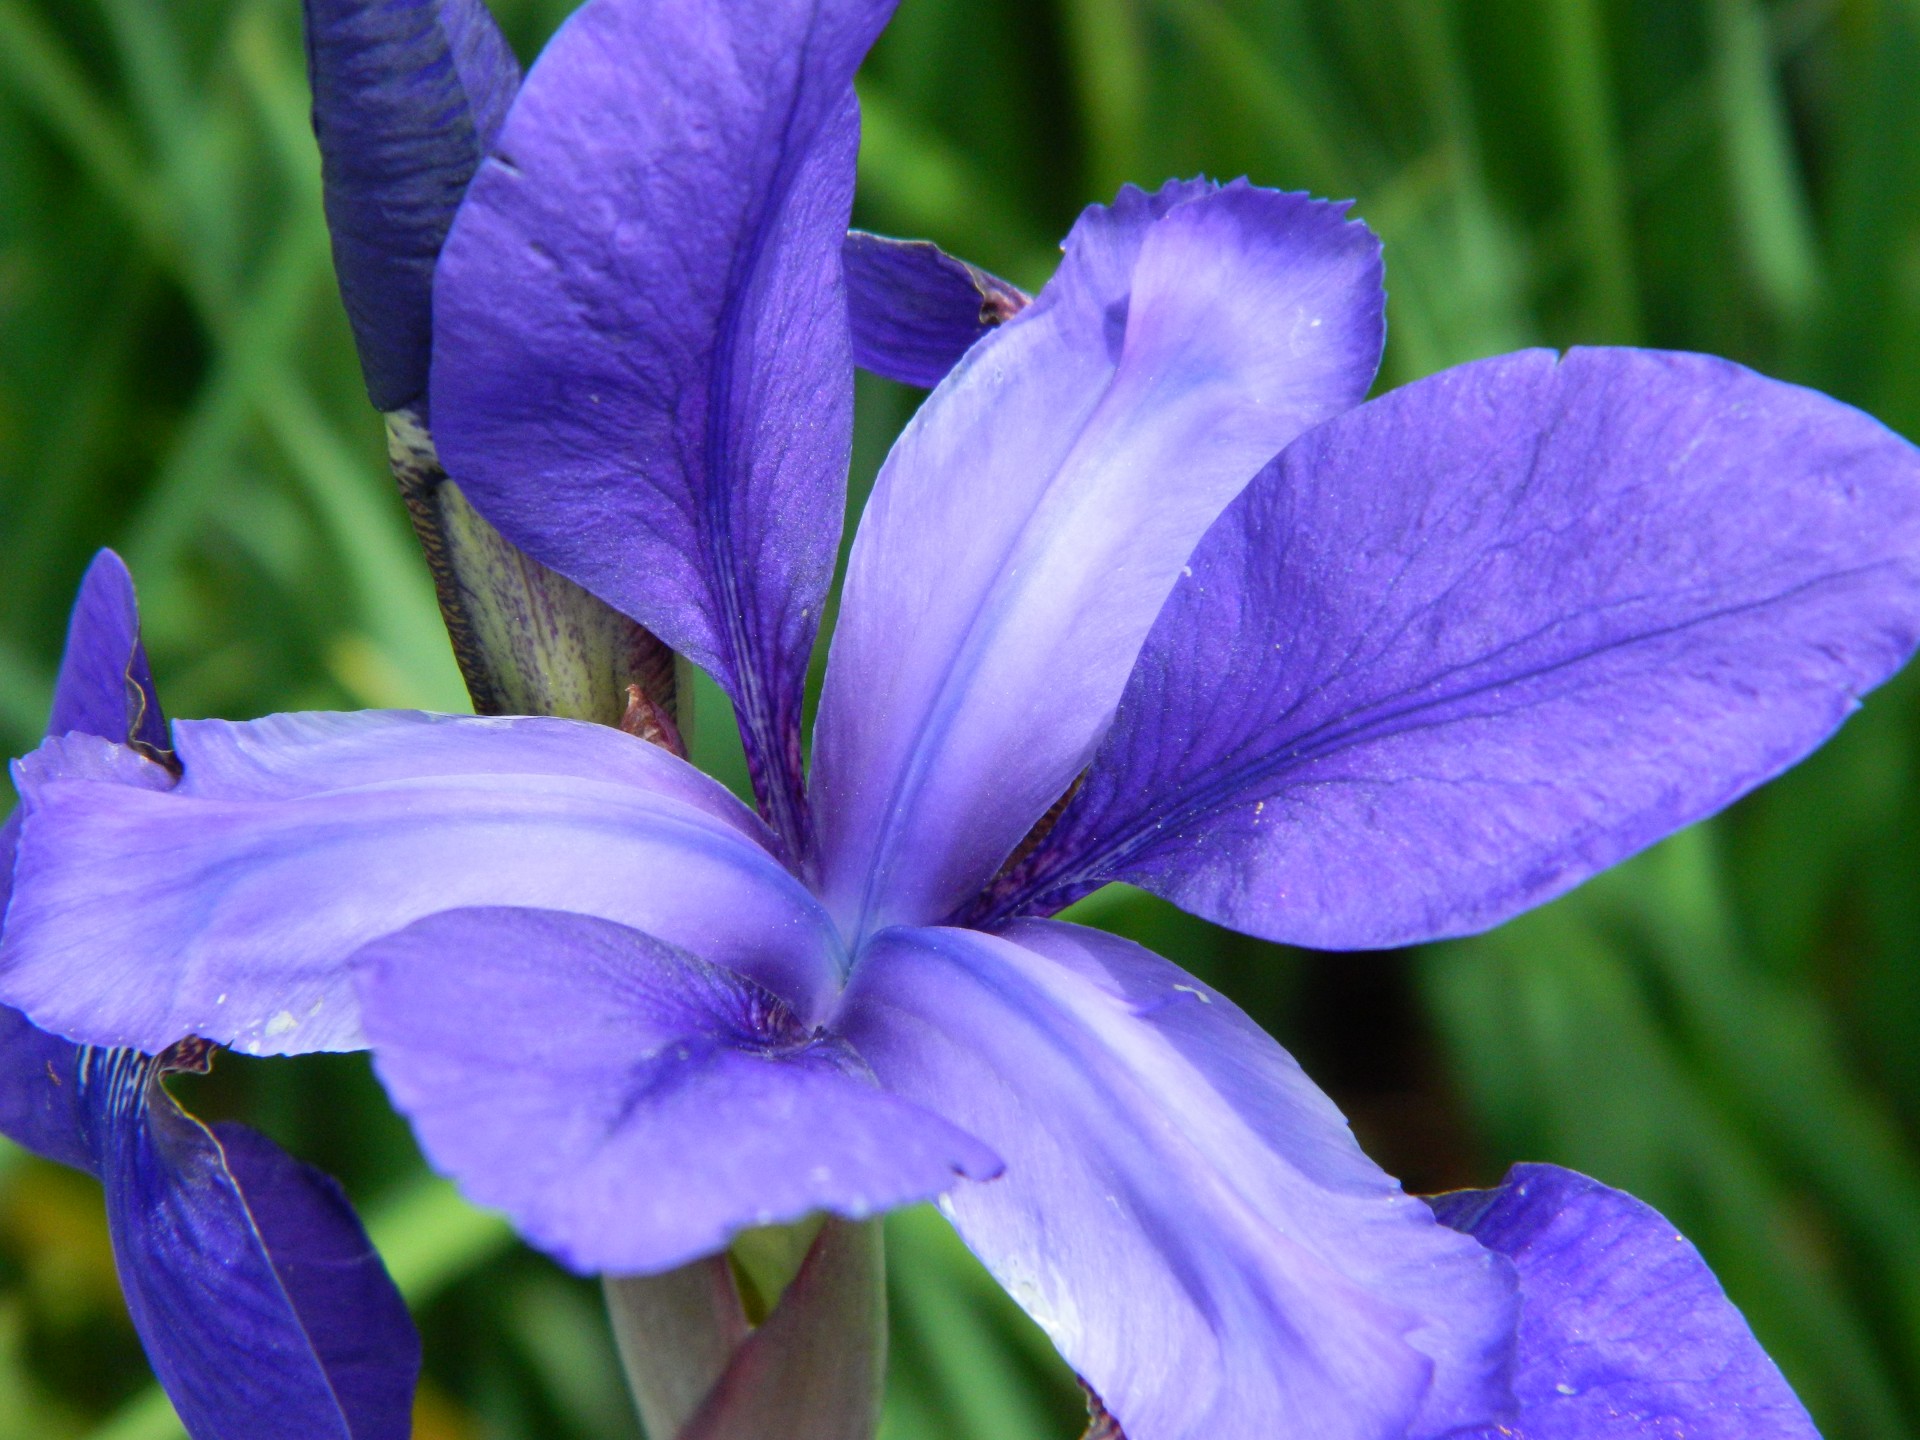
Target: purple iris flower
(264, 1309)
(1145, 592)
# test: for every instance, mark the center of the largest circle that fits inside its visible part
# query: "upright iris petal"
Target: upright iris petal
(266, 1313)
(105, 686)
(1028, 525)
(409, 96)
(642, 367)
(915, 310)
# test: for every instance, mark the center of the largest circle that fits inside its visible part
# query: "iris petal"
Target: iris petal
(227, 905)
(631, 1106)
(1035, 513)
(261, 1304)
(264, 1309)
(1624, 1332)
(915, 310)
(1183, 1211)
(641, 358)
(1465, 646)
(105, 686)
(39, 1108)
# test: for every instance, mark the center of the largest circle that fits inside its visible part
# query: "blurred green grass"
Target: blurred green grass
(1730, 1026)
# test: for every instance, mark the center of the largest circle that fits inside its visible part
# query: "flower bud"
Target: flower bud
(407, 95)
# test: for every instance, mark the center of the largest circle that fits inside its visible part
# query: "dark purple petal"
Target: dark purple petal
(227, 906)
(1464, 647)
(641, 369)
(9, 844)
(40, 1105)
(915, 310)
(630, 1106)
(347, 1305)
(1033, 517)
(1183, 1211)
(407, 97)
(1624, 1333)
(266, 1313)
(105, 687)
(263, 1309)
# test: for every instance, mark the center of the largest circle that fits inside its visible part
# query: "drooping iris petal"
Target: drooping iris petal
(631, 1106)
(641, 369)
(1182, 1211)
(915, 310)
(264, 1310)
(1624, 1333)
(1033, 516)
(349, 1309)
(227, 905)
(266, 1313)
(1460, 649)
(407, 96)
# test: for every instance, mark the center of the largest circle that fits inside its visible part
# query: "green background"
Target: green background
(1726, 1026)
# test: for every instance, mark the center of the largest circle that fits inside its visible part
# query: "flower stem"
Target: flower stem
(676, 1334)
(817, 1366)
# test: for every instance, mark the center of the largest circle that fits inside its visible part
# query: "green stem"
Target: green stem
(816, 1367)
(676, 1334)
